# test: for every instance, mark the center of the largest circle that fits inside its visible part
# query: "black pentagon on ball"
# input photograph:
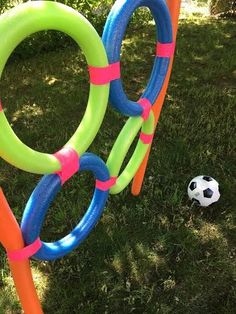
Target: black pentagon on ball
(208, 193)
(193, 186)
(207, 178)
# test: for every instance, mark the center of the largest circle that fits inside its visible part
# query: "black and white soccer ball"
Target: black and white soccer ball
(204, 190)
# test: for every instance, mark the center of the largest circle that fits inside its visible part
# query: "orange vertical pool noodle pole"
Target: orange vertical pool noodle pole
(174, 7)
(11, 238)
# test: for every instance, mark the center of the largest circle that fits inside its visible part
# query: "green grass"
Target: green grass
(157, 253)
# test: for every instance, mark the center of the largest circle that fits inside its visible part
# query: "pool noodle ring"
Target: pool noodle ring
(113, 35)
(16, 25)
(44, 194)
(121, 147)
(11, 238)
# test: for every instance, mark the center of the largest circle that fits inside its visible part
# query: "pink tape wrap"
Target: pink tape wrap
(102, 76)
(1, 109)
(69, 161)
(106, 185)
(165, 50)
(147, 106)
(146, 138)
(26, 252)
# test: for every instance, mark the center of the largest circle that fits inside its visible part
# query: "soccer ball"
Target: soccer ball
(204, 190)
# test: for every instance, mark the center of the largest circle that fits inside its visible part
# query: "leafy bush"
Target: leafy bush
(5, 5)
(95, 11)
(220, 6)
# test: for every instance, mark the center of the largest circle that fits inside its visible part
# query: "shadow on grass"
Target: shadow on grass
(155, 253)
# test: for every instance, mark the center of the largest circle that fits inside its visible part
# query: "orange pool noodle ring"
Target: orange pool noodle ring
(11, 239)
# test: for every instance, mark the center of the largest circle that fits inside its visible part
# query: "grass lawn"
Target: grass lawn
(156, 253)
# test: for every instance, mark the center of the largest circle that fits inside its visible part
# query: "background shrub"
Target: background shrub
(95, 11)
(221, 6)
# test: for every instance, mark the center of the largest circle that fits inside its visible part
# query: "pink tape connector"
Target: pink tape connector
(69, 161)
(26, 252)
(106, 185)
(104, 75)
(146, 138)
(147, 106)
(165, 50)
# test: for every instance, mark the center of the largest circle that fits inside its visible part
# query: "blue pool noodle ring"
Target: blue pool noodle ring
(113, 35)
(42, 197)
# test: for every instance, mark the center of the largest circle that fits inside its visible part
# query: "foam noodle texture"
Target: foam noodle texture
(166, 50)
(101, 76)
(26, 252)
(147, 106)
(69, 161)
(104, 186)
